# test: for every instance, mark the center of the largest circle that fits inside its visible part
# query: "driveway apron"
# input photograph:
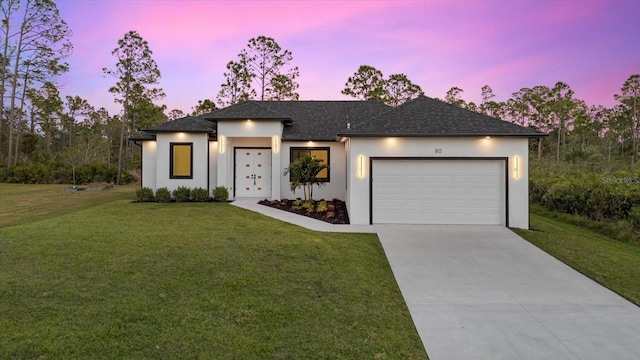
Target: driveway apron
(482, 292)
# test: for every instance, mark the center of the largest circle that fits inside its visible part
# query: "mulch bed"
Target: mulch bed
(336, 214)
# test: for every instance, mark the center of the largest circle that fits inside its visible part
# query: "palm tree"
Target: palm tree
(304, 172)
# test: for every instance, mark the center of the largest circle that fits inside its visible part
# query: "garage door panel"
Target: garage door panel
(397, 203)
(438, 191)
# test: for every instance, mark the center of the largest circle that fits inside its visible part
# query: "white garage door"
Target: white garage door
(438, 192)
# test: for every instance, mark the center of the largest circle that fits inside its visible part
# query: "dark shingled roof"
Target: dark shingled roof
(254, 110)
(325, 120)
(143, 136)
(304, 120)
(185, 124)
(424, 116)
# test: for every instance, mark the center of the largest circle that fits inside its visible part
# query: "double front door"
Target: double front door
(253, 172)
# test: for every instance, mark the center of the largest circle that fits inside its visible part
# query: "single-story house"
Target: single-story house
(423, 162)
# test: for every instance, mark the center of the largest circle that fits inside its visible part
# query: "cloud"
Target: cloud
(439, 44)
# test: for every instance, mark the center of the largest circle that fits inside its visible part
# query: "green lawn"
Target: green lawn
(28, 203)
(92, 275)
(612, 263)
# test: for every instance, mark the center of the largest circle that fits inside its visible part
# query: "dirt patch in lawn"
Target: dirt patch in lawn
(333, 211)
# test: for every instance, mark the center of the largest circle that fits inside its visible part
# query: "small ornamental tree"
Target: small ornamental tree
(304, 172)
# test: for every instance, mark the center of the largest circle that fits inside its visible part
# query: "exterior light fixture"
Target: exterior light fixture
(222, 143)
(275, 144)
(360, 166)
(487, 137)
(516, 167)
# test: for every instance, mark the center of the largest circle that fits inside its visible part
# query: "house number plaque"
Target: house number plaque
(438, 151)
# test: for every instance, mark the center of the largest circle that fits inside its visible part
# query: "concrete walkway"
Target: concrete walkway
(482, 292)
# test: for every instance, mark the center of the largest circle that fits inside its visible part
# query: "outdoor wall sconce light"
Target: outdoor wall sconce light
(275, 144)
(516, 167)
(360, 166)
(222, 143)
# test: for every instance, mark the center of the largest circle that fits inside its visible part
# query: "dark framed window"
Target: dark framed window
(181, 160)
(321, 153)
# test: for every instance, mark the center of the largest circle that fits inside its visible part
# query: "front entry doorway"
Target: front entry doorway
(253, 172)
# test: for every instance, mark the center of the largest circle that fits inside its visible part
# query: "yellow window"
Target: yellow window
(323, 156)
(181, 161)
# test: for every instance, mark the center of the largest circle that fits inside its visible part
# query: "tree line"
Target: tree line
(39, 125)
(577, 132)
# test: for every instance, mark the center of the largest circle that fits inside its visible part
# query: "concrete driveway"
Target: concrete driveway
(482, 292)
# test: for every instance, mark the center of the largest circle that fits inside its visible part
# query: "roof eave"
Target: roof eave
(184, 131)
(325, 139)
(527, 135)
(286, 121)
(140, 139)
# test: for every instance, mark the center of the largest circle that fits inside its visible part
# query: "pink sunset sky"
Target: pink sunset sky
(594, 46)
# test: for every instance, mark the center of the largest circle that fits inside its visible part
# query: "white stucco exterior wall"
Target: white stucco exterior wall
(213, 166)
(335, 188)
(149, 163)
(200, 151)
(357, 198)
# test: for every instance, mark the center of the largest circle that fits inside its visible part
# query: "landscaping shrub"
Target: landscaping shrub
(29, 173)
(182, 194)
(308, 205)
(144, 194)
(588, 199)
(634, 219)
(220, 194)
(200, 194)
(126, 178)
(163, 195)
(596, 197)
(322, 206)
(88, 173)
(58, 172)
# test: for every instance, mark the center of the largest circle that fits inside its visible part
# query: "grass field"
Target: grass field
(28, 203)
(92, 275)
(612, 263)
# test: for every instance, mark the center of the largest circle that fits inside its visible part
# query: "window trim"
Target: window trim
(171, 160)
(327, 148)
